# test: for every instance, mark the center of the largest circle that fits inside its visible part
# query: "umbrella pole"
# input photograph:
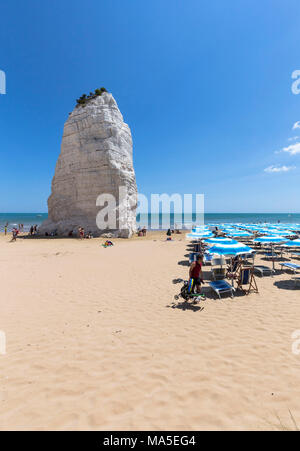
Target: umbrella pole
(272, 246)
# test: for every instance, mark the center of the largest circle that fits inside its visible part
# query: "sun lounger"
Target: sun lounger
(263, 270)
(218, 273)
(291, 266)
(296, 254)
(221, 286)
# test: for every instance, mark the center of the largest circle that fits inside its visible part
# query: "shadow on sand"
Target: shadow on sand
(184, 263)
(286, 285)
(43, 237)
(186, 305)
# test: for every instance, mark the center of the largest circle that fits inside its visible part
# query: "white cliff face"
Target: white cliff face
(95, 158)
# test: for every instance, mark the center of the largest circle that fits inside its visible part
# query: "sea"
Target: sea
(160, 221)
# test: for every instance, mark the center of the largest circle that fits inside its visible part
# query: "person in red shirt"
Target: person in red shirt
(196, 274)
(15, 232)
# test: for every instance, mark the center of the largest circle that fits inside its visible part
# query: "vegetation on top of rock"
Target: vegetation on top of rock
(82, 101)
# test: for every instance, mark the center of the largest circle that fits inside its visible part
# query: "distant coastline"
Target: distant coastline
(29, 219)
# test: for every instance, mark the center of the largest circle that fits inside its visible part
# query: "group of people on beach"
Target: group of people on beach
(20, 228)
(82, 234)
(33, 230)
(17, 230)
(142, 231)
(170, 232)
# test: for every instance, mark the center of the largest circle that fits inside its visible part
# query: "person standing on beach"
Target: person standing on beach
(14, 234)
(196, 274)
(5, 229)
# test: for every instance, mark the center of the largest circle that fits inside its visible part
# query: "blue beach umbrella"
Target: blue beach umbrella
(200, 229)
(231, 249)
(271, 240)
(225, 241)
(198, 235)
(240, 234)
(292, 243)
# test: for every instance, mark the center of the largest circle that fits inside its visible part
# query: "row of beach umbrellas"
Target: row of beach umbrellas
(231, 247)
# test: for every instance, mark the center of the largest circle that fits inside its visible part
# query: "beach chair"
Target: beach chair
(218, 267)
(263, 270)
(246, 277)
(250, 256)
(221, 286)
(207, 258)
(292, 266)
(233, 268)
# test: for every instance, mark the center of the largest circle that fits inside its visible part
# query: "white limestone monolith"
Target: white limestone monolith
(95, 160)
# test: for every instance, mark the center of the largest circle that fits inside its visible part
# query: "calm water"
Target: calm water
(29, 219)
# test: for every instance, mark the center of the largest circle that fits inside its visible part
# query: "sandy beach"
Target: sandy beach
(95, 343)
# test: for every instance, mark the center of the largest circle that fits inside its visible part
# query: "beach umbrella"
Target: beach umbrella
(198, 236)
(200, 229)
(280, 232)
(272, 240)
(226, 241)
(240, 234)
(292, 243)
(231, 249)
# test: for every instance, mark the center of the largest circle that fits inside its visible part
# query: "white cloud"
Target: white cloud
(279, 168)
(293, 138)
(293, 149)
(296, 125)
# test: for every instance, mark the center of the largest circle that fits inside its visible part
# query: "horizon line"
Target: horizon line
(194, 213)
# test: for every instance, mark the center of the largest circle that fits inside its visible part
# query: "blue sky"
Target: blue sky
(204, 86)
